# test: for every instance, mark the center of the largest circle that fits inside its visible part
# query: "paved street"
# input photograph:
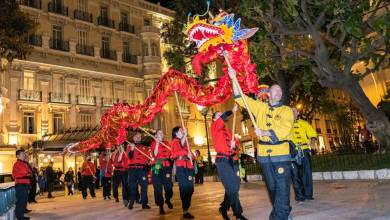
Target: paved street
(334, 200)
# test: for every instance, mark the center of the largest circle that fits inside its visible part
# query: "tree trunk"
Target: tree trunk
(376, 121)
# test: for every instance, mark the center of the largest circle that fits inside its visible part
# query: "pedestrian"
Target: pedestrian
(107, 172)
(21, 173)
(303, 137)
(273, 128)
(227, 163)
(51, 177)
(33, 183)
(69, 181)
(138, 159)
(162, 172)
(41, 182)
(119, 159)
(87, 175)
(79, 180)
(184, 168)
(199, 163)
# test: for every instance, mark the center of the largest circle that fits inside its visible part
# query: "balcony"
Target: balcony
(82, 16)
(32, 3)
(35, 40)
(128, 58)
(150, 29)
(103, 21)
(85, 50)
(126, 28)
(30, 95)
(59, 98)
(57, 9)
(57, 44)
(108, 102)
(108, 54)
(86, 100)
(152, 59)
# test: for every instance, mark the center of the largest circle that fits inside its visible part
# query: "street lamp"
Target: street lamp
(204, 111)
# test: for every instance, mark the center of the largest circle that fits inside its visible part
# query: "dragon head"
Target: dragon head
(220, 30)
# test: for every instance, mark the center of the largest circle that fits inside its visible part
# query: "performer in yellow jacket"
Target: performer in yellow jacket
(274, 124)
(303, 137)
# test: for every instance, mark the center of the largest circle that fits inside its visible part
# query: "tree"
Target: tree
(15, 27)
(344, 41)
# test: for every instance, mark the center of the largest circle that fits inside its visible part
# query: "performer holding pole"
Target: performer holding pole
(107, 172)
(273, 128)
(227, 163)
(162, 172)
(139, 157)
(119, 159)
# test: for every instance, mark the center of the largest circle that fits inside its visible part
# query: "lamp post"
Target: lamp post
(204, 112)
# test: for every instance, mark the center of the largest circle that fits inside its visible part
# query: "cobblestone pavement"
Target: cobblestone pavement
(333, 200)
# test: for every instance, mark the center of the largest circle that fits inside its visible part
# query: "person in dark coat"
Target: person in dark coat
(33, 182)
(79, 180)
(69, 180)
(51, 177)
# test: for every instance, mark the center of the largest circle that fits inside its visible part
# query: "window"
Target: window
(57, 123)
(154, 49)
(328, 126)
(57, 3)
(28, 123)
(103, 12)
(126, 48)
(108, 88)
(85, 87)
(85, 120)
(147, 22)
(82, 38)
(82, 5)
(318, 125)
(146, 49)
(58, 84)
(105, 45)
(57, 32)
(28, 81)
(124, 18)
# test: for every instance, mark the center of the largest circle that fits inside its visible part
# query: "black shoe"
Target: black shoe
(170, 206)
(188, 216)
(145, 207)
(162, 212)
(130, 205)
(241, 217)
(116, 200)
(108, 197)
(224, 213)
(27, 211)
(50, 197)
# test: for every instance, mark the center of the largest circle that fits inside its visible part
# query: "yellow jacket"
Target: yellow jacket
(278, 120)
(302, 133)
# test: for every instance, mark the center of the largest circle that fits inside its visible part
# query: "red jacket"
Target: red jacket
(88, 168)
(180, 154)
(135, 158)
(21, 172)
(119, 165)
(163, 153)
(221, 138)
(102, 160)
(108, 169)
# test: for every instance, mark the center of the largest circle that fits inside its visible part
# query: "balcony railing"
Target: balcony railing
(58, 9)
(150, 29)
(59, 98)
(35, 40)
(126, 28)
(128, 58)
(30, 95)
(86, 100)
(108, 102)
(32, 3)
(108, 54)
(57, 44)
(85, 50)
(83, 16)
(104, 21)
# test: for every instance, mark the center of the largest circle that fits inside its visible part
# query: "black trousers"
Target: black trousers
(162, 180)
(186, 185)
(199, 175)
(138, 176)
(228, 172)
(22, 191)
(106, 183)
(33, 192)
(120, 177)
(50, 188)
(88, 182)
